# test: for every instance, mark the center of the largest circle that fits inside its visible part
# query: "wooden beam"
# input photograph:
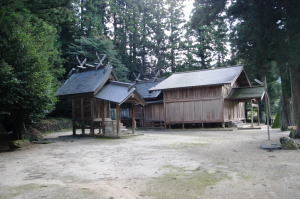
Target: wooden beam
(109, 111)
(118, 118)
(92, 116)
(194, 99)
(258, 118)
(133, 119)
(73, 117)
(252, 114)
(103, 117)
(82, 116)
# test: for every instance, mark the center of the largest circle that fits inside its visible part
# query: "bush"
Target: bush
(288, 143)
(294, 134)
(53, 124)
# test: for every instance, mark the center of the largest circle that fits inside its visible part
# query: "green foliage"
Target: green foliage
(293, 134)
(30, 63)
(53, 124)
(264, 38)
(210, 33)
(276, 123)
(88, 46)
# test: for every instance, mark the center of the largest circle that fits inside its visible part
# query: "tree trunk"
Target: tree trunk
(19, 125)
(284, 122)
(285, 108)
(295, 75)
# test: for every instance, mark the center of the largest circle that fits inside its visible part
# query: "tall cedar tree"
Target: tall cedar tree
(29, 63)
(175, 23)
(209, 29)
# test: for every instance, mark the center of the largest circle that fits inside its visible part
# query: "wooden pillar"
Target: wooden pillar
(133, 118)
(252, 113)
(258, 118)
(165, 114)
(73, 117)
(103, 116)
(92, 116)
(118, 118)
(109, 111)
(143, 120)
(223, 124)
(182, 125)
(82, 116)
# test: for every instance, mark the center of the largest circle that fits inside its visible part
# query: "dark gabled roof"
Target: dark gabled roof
(144, 86)
(85, 82)
(246, 93)
(218, 76)
(117, 92)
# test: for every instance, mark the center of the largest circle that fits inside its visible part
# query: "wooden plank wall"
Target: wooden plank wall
(234, 110)
(154, 112)
(87, 109)
(194, 105)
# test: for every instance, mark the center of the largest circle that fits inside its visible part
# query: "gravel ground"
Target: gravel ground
(160, 164)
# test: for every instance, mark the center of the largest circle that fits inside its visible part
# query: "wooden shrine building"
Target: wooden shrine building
(97, 98)
(152, 113)
(207, 96)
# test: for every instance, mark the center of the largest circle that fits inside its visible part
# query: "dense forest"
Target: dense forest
(40, 39)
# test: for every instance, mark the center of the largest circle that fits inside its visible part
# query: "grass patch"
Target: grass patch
(10, 192)
(246, 177)
(181, 183)
(47, 191)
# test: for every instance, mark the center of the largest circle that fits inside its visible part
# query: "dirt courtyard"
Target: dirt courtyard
(161, 164)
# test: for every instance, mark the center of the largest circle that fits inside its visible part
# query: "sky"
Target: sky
(188, 8)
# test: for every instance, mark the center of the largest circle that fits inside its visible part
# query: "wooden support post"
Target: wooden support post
(202, 125)
(103, 117)
(74, 127)
(182, 125)
(92, 116)
(118, 118)
(133, 118)
(73, 117)
(252, 114)
(165, 114)
(223, 125)
(109, 111)
(258, 118)
(82, 116)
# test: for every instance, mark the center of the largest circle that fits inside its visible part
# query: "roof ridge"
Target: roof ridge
(149, 80)
(121, 83)
(209, 69)
(249, 87)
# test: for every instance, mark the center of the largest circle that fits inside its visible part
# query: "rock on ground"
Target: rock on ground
(288, 143)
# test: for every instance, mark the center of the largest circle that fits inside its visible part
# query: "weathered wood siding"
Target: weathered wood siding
(234, 110)
(154, 112)
(194, 105)
(91, 108)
